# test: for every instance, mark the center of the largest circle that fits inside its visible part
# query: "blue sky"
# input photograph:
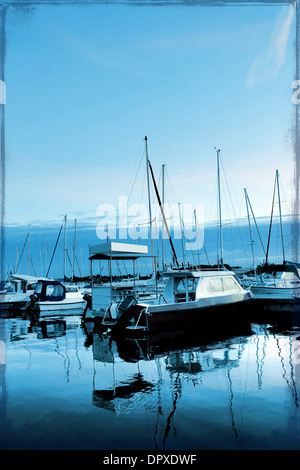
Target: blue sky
(84, 85)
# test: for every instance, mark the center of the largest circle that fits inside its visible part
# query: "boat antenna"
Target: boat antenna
(163, 215)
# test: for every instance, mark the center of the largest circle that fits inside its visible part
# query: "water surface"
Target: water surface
(65, 386)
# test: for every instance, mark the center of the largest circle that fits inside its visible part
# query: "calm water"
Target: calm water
(65, 386)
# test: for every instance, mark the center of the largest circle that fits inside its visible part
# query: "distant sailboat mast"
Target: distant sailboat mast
(149, 195)
(220, 210)
(162, 226)
(280, 215)
(65, 248)
(250, 231)
(276, 185)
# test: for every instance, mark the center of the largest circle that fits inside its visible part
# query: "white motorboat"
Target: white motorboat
(53, 298)
(190, 298)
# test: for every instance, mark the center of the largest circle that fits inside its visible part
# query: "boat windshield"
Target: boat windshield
(38, 288)
(56, 291)
(222, 284)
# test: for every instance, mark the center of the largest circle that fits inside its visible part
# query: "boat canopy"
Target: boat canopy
(208, 273)
(27, 278)
(50, 291)
(118, 251)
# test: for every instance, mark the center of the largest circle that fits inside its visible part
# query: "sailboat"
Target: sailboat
(278, 288)
(213, 297)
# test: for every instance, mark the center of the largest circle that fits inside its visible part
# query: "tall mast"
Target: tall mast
(163, 215)
(280, 215)
(196, 233)
(182, 233)
(74, 251)
(162, 226)
(271, 220)
(264, 250)
(28, 255)
(65, 247)
(220, 209)
(45, 252)
(250, 232)
(149, 198)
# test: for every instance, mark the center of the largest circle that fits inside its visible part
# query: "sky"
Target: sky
(85, 85)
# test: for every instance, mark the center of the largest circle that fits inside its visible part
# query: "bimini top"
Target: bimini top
(117, 250)
(27, 278)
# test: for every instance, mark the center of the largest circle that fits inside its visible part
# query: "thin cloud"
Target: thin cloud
(269, 62)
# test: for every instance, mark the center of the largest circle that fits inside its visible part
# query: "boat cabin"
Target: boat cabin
(50, 291)
(21, 283)
(187, 286)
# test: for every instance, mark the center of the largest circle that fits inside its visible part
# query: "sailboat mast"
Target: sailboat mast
(163, 215)
(280, 215)
(250, 232)
(271, 220)
(256, 224)
(162, 226)
(65, 247)
(182, 233)
(149, 198)
(220, 209)
(28, 255)
(74, 251)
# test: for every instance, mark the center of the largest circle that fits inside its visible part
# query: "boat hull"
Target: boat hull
(10, 303)
(274, 293)
(216, 316)
(230, 315)
(63, 308)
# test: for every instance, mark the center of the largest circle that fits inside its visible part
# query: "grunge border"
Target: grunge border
(32, 4)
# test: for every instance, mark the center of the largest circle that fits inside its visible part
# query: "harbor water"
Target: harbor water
(65, 385)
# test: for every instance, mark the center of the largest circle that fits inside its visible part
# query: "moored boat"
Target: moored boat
(190, 298)
(278, 288)
(52, 298)
(16, 292)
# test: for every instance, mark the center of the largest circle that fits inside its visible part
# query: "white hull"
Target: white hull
(67, 306)
(13, 300)
(275, 293)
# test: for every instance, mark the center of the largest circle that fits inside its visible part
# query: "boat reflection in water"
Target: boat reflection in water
(52, 328)
(80, 388)
(129, 369)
